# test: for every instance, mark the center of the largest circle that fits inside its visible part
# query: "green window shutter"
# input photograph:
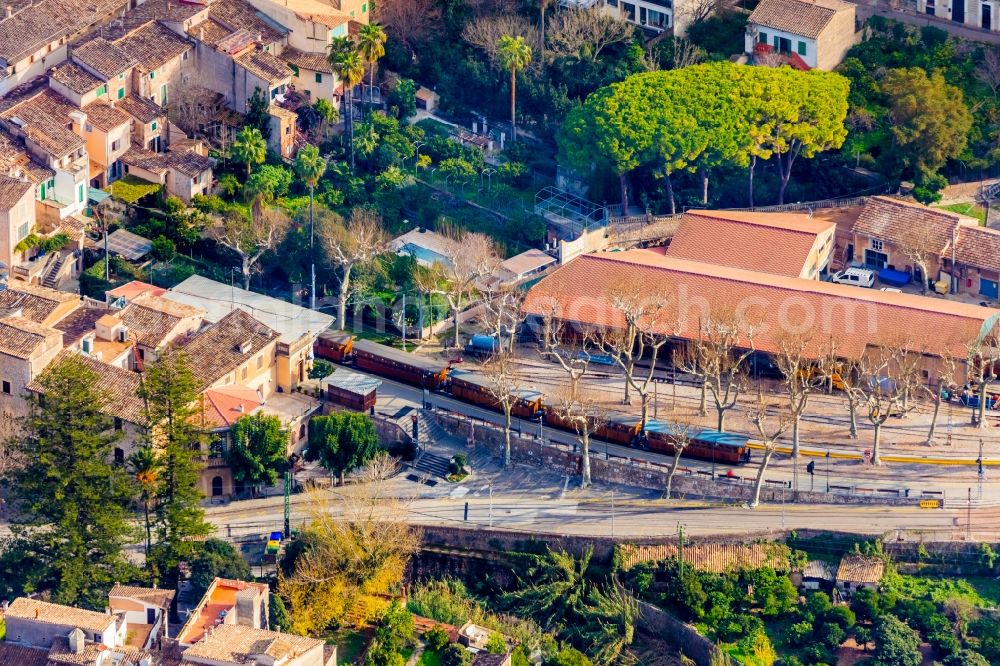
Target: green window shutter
(152, 75)
(762, 38)
(364, 8)
(152, 125)
(295, 70)
(319, 78)
(121, 93)
(41, 192)
(802, 48)
(777, 42)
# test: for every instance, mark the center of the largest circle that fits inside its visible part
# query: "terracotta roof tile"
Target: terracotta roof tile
(241, 15)
(860, 569)
(43, 116)
(133, 289)
(11, 190)
(14, 158)
(145, 159)
(778, 243)
(21, 338)
(142, 109)
(854, 317)
(264, 65)
(44, 612)
(189, 163)
(222, 407)
(898, 222)
(979, 247)
(118, 388)
(799, 17)
(234, 643)
(103, 57)
(79, 323)
(34, 301)
(18, 655)
(153, 45)
(36, 25)
(225, 345)
(157, 596)
(314, 62)
(74, 77)
(105, 117)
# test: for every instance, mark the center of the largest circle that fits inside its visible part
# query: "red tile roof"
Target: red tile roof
(778, 243)
(979, 247)
(799, 17)
(222, 407)
(904, 223)
(853, 317)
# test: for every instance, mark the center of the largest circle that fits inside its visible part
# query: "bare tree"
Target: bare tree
(504, 383)
(584, 33)
(409, 21)
(581, 410)
(794, 359)
(485, 32)
(698, 10)
(502, 314)
(351, 246)
(718, 359)
(473, 258)
(428, 280)
(988, 70)
(983, 357)
(941, 379)
(884, 382)
(685, 53)
(250, 237)
(646, 316)
(768, 432)
(919, 247)
(850, 375)
(681, 434)
(552, 346)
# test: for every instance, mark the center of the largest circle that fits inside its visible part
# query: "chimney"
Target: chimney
(76, 641)
(10, 11)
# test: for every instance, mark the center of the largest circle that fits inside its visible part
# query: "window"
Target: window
(364, 8)
(23, 230)
(119, 424)
(319, 78)
(163, 94)
(152, 125)
(121, 77)
(184, 56)
(79, 193)
(102, 90)
(152, 75)
(41, 192)
(295, 69)
(877, 244)
(115, 145)
(260, 361)
(802, 48)
(119, 455)
(762, 38)
(88, 128)
(6, 387)
(244, 373)
(97, 638)
(121, 93)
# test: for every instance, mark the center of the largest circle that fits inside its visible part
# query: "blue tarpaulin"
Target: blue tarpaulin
(893, 278)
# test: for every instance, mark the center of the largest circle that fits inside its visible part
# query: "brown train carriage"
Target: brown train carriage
(473, 388)
(621, 429)
(333, 346)
(722, 447)
(402, 366)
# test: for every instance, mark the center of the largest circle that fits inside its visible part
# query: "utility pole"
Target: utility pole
(828, 470)
(402, 321)
(968, 517)
(981, 475)
(680, 549)
(491, 503)
(656, 396)
(288, 503)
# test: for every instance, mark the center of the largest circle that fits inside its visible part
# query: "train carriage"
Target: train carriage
(333, 346)
(722, 447)
(475, 388)
(396, 364)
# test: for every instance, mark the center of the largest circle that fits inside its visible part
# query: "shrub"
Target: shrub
(320, 369)
(436, 638)
(832, 635)
(496, 644)
(842, 616)
(800, 632)
(455, 655)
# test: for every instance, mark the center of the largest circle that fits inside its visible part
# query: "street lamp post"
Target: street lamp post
(416, 157)
(827, 470)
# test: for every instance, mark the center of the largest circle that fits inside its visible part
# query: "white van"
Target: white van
(859, 277)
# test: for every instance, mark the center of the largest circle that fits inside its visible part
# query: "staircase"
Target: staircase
(432, 465)
(51, 277)
(429, 433)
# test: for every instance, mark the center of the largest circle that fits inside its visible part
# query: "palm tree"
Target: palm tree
(310, 167)
(513, 54)
(348, 65)
(250, 147)
(371, 45)
(145, 467)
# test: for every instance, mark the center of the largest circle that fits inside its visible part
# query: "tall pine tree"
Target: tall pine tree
(72, 501)
(170, 394)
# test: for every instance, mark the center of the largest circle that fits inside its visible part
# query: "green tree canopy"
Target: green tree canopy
(929, 121)
(258, 450)
(72, 500)
(216, 558)
(896, 644)
(342, 441)
(250, 148)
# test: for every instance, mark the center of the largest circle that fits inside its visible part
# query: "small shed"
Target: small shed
(817, 575)
(427, 99)
(859, 571)
(350, 389)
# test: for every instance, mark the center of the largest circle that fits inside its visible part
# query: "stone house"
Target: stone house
(859, 572)
(38, 624)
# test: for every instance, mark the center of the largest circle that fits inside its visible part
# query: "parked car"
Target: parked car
(859, 277)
